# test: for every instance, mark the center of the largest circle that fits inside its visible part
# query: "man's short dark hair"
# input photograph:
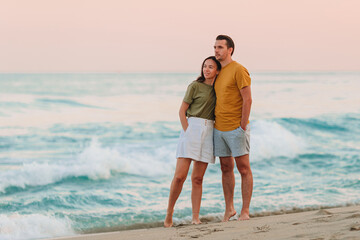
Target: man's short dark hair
(229, 42)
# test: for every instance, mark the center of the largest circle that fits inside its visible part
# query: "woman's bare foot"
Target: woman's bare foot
(168, 220)
(196, 221)
(244, 216)
(228, 215)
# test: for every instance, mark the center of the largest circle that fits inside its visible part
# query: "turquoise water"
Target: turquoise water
(95, 152)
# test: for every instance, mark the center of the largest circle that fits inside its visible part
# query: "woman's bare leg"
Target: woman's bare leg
(181, 171)
(197, 175)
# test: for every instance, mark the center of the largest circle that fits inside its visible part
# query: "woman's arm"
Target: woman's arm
(182, 114)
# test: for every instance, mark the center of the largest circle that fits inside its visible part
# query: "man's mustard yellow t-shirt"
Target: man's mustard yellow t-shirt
(229, 103)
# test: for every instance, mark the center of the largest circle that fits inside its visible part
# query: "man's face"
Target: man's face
(221, 50)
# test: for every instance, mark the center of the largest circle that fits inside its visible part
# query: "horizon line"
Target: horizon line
(176, 72)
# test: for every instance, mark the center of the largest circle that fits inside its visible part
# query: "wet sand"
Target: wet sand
(332, 223)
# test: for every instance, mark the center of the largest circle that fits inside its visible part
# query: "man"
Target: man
(232, 132)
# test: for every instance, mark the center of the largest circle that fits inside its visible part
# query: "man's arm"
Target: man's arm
(247, 100)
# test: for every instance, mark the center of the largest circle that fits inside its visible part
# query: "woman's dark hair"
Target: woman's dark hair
(201, 78)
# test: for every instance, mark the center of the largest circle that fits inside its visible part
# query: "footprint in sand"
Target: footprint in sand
(323, 212)
(325, 216)
(355, 227)
(196, 236)
(208, 231)
(356, 215)
(264, 228)
(202, 229)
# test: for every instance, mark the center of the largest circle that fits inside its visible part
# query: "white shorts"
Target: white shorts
(197, 142)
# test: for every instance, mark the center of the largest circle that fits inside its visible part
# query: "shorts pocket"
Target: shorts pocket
(241, 130)
(182, 132)
(187, 130)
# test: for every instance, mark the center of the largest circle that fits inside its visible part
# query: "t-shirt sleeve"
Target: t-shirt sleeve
(189, 95)
(243, 78)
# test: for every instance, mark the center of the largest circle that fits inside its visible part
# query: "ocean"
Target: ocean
(84, 153)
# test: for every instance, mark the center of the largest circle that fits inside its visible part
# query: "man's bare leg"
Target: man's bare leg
(243, 165)
(228, 182)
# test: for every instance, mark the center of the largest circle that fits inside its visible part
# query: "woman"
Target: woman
(196, 138)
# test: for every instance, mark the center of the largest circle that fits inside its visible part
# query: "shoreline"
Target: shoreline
(321, 223)
(209, 219)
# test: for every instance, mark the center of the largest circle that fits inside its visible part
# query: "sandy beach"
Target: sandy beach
(331, 223)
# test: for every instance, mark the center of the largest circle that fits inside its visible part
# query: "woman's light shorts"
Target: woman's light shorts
(197, 141)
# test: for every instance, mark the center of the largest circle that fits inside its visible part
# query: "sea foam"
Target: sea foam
(33, 226)
(95, 162)
(269, 139)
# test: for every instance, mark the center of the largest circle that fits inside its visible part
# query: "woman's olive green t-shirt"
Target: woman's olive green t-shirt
(201, 98)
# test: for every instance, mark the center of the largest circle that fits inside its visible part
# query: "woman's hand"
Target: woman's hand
(182, 114)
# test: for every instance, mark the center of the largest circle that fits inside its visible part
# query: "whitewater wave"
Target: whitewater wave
(95, 162)
(33, 226)
(269, 139)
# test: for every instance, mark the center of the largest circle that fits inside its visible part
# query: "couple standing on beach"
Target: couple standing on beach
(214, 117)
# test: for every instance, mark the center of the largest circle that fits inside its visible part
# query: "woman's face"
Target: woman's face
(209, 69)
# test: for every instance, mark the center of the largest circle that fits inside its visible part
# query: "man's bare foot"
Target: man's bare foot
(229, 215)
(168, 221)
(244, 216)
(196, 221)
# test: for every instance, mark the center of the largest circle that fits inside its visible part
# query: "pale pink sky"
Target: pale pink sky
(175, 36)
